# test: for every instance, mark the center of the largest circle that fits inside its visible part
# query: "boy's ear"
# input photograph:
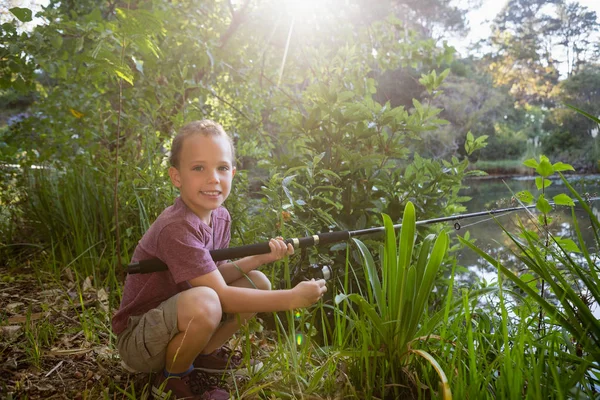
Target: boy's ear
(175, 177)
(233, 171)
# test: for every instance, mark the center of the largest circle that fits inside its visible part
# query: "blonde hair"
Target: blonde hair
(204, 127)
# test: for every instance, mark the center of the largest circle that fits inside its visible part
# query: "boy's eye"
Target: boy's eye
(198, 168)
(224, 168)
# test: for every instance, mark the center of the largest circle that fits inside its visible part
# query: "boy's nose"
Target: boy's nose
(213, 176)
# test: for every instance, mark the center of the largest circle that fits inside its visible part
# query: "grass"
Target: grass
(495, 167)
(387, 339)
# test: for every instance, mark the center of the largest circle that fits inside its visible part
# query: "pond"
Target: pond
(492, 193)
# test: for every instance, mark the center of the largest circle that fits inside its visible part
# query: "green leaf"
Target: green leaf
(563, 200)
(532, 163)
(372, 274)
(423, 256)
(543, 205)
(472, 144)
(22, 14)
(590, 116)
(407, 236)
(56, 41)
(560, 166)
(127, 77)
(568, 245)
(525, 196)
(544, 168)
(530, 280)
(539, 181)
(366, 308)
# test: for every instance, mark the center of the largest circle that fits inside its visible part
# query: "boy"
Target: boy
(170, 322)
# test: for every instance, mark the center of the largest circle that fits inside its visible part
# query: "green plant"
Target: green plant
(573, 282)
(387, 320)
(40, 335)
(493, 346)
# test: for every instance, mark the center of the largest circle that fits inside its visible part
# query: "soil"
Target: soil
(44, 352)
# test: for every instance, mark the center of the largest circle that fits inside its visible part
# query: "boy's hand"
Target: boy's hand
(307, 293)
(279, 250)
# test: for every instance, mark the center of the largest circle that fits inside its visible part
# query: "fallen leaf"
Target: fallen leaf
(10, 331)
(87, 284)
(45, 387)
(102, 295)
(18, 319)
(67, 352)
(103, 299)
(13, 306)
(69, 275)
(51, 292)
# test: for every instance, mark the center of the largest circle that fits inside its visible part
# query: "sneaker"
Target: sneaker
(225, 359)
(196, 385)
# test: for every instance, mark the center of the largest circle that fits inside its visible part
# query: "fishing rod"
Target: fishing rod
(155, 264)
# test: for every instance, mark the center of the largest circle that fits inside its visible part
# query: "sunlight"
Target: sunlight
(303, 10)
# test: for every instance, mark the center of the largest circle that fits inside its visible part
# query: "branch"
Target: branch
(237, 19)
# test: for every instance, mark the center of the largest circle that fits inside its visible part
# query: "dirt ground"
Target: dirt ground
(54, 342)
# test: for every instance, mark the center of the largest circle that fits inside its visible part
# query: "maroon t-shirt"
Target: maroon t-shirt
(182, 241)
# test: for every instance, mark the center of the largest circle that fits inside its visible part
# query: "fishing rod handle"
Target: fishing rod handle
(155, 264)
(263, 248)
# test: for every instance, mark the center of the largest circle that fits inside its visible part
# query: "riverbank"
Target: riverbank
(507, 168)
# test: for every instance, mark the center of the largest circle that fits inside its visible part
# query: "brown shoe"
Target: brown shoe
(196, 385)
(225, 359)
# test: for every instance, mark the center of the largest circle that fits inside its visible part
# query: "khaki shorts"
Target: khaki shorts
(143, 344)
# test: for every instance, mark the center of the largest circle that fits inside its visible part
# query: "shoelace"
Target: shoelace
(235, 356)
(200, 382)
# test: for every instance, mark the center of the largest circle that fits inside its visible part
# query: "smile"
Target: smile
(214, 193)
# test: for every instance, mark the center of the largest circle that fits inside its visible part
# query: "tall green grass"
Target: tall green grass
(387, 319)
(494, 351)
(551, 339)
(384, 341)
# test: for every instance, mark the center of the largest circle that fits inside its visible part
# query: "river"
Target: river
(492, 193)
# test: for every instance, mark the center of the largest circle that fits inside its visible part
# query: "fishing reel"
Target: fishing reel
(312, 271)
(306, 272)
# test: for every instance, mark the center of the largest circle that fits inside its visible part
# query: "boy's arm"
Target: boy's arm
(279, 249)
(243, 300)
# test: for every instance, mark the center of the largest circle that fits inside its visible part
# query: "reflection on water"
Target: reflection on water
(492, 193)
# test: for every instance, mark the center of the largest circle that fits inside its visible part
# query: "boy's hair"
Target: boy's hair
(204, 127)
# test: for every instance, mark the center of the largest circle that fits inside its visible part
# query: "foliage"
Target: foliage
(320, 146)
(571, 134)
(571, 280)
(388, 318)
(493, 346)
(575, 26)
(522, 60)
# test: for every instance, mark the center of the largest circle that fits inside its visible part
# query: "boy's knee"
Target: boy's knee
(201, 305)
(260, 280)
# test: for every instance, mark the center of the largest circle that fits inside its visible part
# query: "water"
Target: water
(493, 193)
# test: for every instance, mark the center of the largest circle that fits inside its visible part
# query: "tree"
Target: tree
(575, 28)
(523, 60)
(471, 103)
(571, 133)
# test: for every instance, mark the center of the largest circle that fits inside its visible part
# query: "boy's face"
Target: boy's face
(205, 173)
